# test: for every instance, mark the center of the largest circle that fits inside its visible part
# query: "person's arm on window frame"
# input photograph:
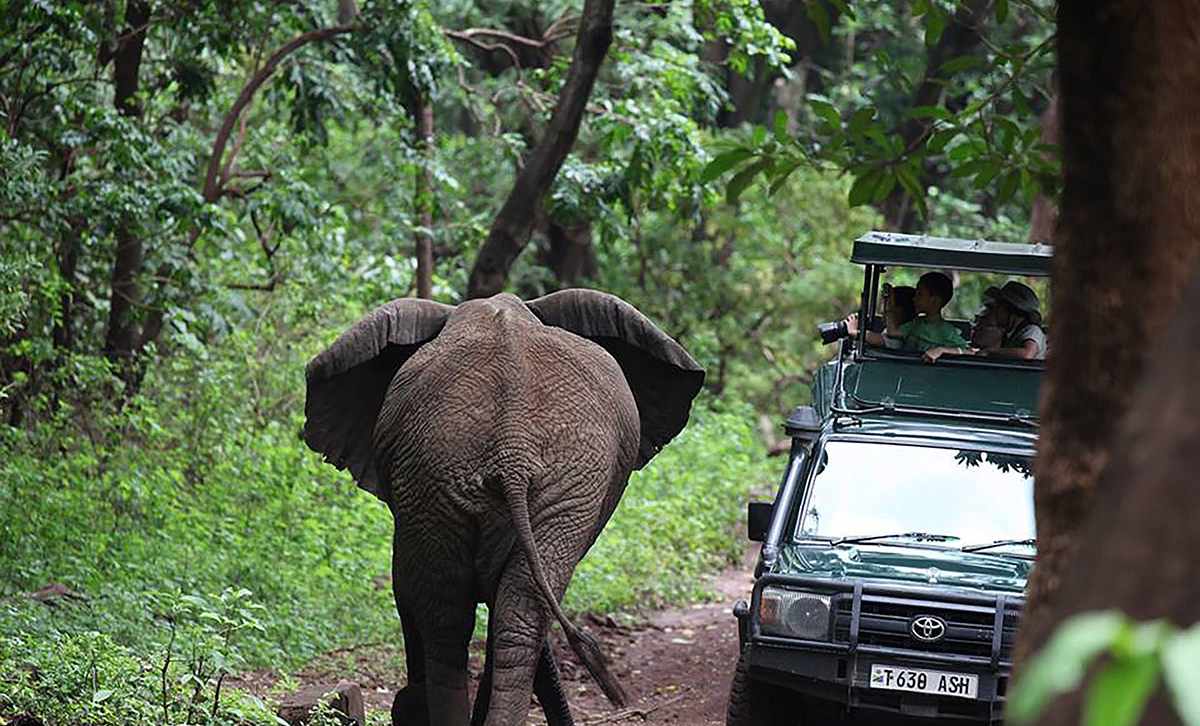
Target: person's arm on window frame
(1028, 351)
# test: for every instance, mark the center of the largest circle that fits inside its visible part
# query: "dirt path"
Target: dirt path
(675, 664)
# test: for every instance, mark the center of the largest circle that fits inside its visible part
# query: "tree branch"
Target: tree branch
(212, 185)
(554, 33)
(510, 230)
(505, 40)
(214, 180)
(487, 47)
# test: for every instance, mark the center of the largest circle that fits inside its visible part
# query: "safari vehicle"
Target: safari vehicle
(895, 555)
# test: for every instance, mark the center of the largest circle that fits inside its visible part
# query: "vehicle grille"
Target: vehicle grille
(884, 621)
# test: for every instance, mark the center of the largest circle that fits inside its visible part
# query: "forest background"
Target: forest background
(196, 197)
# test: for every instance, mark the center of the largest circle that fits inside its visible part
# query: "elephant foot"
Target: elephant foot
(410, 707)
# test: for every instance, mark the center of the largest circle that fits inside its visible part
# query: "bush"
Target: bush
(202, 486)
(88, 678)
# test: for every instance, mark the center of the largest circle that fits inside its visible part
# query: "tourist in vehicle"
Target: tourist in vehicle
(928, 329)
(986, 331)
(898, 307)
(1008, 327)
(1017, 312)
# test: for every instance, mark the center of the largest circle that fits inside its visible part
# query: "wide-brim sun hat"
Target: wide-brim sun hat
(1021, 297)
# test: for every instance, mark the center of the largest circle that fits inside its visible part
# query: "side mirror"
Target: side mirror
(758, 520)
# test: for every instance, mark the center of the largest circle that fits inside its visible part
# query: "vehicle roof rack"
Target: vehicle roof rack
(913, 250)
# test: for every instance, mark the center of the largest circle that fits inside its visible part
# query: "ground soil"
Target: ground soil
(675, 664)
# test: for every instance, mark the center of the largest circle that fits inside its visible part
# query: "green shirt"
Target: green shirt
(921, 334)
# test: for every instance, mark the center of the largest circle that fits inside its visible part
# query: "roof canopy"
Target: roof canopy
(914, 250)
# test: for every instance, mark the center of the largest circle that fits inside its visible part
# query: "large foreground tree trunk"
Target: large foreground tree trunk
(511, 229)
(1126, 247)
(1139, 550)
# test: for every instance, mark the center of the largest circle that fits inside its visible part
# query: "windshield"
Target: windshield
(864, 488)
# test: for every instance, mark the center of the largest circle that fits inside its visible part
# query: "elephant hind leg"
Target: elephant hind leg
(410, 707)
(446, 641)
(547, 686)
(522, 660)
(517, 637)
(571, 541)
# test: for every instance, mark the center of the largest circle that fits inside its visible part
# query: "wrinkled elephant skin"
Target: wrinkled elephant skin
(501, 434)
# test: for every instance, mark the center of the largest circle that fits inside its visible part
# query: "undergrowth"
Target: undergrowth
(200, 492)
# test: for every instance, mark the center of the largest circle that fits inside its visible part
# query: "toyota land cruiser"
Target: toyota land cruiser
(895, 554)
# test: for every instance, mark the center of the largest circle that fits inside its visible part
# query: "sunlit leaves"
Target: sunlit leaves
(723, 163)
(1181, 670)
(1134, 658)
(742, 24)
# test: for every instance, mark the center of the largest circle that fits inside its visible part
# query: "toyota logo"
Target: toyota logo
(927, 628)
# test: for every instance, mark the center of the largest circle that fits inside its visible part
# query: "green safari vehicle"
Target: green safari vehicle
(895, 554)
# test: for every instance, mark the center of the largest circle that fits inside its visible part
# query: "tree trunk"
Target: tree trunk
(961, 36)
(1142, 526)
(569, 253)
(422, 112)
(125, 295)
(1127, 244)
(511, 228)
(1043, 218)
(63, 334)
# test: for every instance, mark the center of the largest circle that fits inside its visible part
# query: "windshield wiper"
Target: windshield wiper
(920, 536)
(999, 543)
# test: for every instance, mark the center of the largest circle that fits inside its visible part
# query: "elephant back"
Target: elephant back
(662, 376)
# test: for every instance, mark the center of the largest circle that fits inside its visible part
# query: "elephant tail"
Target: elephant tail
(516, 493)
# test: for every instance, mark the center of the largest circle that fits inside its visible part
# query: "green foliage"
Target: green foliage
(404, 47)
(88, 678)
(979, 138)
(203, 486)
(745, 288)
(1136, 657)
(678, 520)
(742, 25)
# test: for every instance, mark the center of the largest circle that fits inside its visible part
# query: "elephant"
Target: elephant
(501, 434)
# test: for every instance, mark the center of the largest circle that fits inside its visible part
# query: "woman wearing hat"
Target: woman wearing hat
(1008, 327)
(1018, 316)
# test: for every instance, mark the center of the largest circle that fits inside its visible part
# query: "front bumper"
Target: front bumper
(866, 621)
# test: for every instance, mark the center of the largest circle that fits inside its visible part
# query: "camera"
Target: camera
(833, 331)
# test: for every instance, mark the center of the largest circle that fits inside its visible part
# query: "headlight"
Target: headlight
(794, 613)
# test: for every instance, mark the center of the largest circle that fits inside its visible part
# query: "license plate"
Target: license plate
(918, 680)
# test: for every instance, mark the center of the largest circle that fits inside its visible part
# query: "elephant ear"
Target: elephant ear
(662, 375)
(348, 381)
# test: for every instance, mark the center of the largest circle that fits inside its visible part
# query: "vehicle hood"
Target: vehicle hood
(899, 564)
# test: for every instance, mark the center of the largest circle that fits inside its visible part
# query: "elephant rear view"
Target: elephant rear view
(501, 434)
